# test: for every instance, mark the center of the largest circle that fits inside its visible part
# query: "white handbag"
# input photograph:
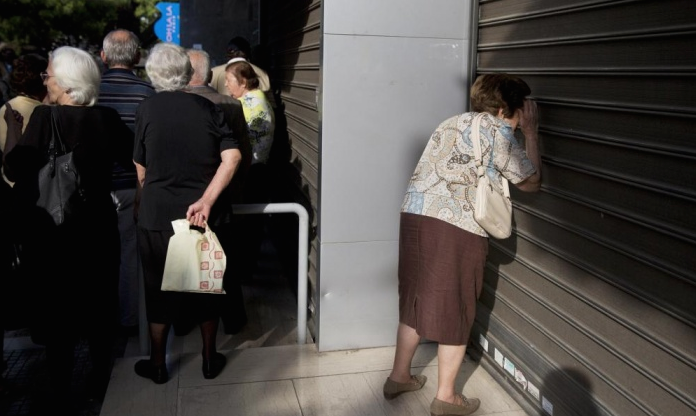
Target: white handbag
(493, 209)
(195, 261)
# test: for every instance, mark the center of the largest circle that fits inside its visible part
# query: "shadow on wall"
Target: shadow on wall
(492, 340)
(282, 32)
(568, 392)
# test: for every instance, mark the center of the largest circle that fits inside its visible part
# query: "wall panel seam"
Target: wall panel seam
(559, 10)
(689, 70)
(686, 112)
(642, 295)
(305, 47)
(669, 31)
(303, 85)
(301, 103)
(610, 175)
(684, 398)
(495, 337)
(680, 274)
(678, 152)
(684, 233)
(610, 314)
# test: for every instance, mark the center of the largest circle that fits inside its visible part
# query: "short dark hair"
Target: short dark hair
(238, 47)
(491, 92)
(26, 75)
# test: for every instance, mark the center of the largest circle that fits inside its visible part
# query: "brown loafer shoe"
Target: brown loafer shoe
(440, 408)
(392, 389)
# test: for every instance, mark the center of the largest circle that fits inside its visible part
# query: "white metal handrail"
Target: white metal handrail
(302, 245)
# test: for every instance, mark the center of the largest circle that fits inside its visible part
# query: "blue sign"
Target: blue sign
(167, 26)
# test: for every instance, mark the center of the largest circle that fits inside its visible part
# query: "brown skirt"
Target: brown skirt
(440, 278)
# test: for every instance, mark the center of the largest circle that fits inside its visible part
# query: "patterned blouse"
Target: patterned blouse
(261, 124)
(443, 185)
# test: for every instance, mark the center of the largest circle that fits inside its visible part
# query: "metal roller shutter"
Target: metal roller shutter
(291, 30)
(589, 309)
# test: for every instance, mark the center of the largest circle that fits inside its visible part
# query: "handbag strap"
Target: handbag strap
(476, 139)
(55, 129)
(52, 145)
(55, 139)
(475, 136)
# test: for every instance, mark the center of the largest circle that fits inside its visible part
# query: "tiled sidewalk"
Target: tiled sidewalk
(25, 378)
(272, 317)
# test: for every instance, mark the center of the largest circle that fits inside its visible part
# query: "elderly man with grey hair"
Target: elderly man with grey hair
(185, 156)
(120, 87)
(234, 317)
(234, 114)
(122, 90)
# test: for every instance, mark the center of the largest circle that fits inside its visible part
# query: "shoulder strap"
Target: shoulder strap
(476, 144)
(56, 140)
(474, 135)
(52, 145)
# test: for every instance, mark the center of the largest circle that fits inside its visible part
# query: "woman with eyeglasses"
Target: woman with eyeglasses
(74, 266)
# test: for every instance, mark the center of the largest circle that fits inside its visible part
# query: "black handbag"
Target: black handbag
(60, 192)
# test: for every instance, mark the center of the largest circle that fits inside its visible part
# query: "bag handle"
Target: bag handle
(52, 144)
(55, 138)
(475, 136)
(55, 129)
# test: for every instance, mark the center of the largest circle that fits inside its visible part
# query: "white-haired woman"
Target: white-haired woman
(185, 156)
(74, 265)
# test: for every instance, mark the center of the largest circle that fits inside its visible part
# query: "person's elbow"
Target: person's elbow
(531, 184)
(236, 156)
(231, 159)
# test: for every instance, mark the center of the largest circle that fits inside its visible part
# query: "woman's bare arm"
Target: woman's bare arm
(199, 212)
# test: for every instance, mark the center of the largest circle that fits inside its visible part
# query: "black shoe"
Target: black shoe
(156, 373)
(213, 367)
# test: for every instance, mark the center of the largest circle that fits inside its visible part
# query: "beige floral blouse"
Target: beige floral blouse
(443, 185)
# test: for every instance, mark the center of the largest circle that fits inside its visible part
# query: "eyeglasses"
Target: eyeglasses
(45, 76)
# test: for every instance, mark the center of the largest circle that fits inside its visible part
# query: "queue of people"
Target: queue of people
(141, 170)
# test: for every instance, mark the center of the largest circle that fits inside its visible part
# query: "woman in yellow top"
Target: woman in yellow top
(243, 84)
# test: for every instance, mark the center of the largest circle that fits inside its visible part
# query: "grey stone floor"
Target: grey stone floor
(24, 378)
(24, 383)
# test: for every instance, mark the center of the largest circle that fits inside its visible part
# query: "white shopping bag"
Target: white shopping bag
(195, 261)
